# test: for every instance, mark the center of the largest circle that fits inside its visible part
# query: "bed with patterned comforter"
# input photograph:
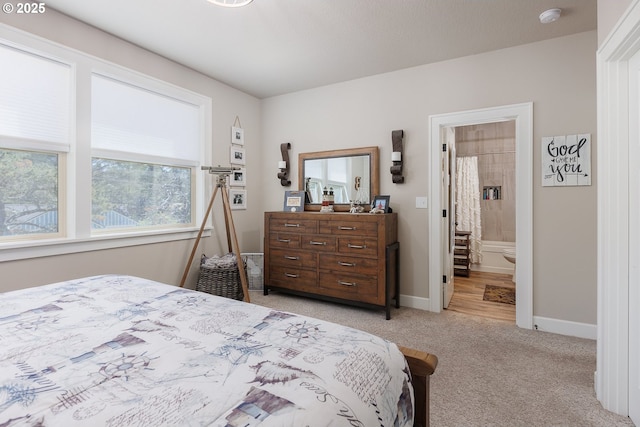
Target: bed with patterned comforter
(124, 351)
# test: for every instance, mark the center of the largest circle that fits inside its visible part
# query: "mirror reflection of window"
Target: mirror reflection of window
(339, 173)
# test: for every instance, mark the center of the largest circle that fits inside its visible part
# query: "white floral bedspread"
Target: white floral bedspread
(125, 351)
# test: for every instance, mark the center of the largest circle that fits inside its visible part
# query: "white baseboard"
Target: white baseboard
(491, 269)
(556, 326)
(415, 302)
(565, 327)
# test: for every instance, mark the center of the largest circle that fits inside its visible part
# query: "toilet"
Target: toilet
(510, 255)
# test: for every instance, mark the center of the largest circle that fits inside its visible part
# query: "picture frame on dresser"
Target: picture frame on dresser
(293, 201)
(382, 203)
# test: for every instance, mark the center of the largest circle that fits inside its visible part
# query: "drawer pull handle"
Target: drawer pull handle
(347, 264)
(340, 282)
(284, 240)
(295, 276)
(318, 243)
(293, 258)
(342, 227)
(356, 246)
(291, 225)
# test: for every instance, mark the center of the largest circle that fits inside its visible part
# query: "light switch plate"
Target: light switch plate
(421, 203)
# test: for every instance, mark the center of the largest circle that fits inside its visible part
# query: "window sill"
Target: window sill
(13, 251)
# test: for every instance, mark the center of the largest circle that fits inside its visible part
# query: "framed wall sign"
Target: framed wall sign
(566, 160)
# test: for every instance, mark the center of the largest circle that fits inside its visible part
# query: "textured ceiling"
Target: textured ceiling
(272, 47)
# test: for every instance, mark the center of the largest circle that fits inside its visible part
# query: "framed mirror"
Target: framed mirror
(352, 174)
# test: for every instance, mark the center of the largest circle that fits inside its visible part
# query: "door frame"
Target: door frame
(523, 116)
(612, 376)
(634, 244)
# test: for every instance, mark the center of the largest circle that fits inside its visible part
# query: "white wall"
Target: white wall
(558, 76)
(163, 262)
(609, 12)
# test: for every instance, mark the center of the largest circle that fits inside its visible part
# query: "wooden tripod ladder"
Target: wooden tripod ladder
(221, 182)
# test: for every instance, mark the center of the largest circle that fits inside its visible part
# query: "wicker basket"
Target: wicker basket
(224, 282)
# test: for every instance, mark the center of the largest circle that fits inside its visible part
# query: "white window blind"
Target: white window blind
(130, 119)
(337, 169)
(36, 100)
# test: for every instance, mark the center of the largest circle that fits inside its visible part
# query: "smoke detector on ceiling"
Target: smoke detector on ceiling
(550, 15)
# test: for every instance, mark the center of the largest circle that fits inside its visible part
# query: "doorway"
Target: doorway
(522, 114)
(482, 183)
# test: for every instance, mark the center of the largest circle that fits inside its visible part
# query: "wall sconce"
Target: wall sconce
(396, 156)
(283, 165)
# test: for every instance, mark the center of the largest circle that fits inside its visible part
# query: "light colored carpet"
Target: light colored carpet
(490, 373)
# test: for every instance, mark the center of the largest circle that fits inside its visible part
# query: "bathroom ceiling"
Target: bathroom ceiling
(272, 47)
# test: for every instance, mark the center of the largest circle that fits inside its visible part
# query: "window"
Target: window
(131, 194)
(92, 155)
(28, 193)
(35, 122)
(131, 124)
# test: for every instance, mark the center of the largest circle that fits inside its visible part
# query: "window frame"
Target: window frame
(75, 177)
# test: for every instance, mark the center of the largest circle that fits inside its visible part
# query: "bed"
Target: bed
(118, 350)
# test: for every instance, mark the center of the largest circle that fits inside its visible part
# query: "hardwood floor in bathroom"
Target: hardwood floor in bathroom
(468, 292)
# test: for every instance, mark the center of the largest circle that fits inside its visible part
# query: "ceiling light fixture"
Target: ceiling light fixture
(550, 15)
(230, 3)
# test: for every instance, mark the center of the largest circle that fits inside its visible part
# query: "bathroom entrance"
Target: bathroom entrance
(519, 233)
(480, 193)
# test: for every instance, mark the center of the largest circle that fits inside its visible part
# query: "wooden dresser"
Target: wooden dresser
(343, 257)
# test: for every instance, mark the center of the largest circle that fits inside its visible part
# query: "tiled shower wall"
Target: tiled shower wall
(494, 144)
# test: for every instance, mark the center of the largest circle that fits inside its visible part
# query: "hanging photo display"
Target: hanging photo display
(566, 160)
(237, 135)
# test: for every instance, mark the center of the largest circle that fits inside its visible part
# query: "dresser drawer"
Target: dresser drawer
(346, 264)
(284, 240)
(294, 225)
(318, 243)
(293, 278)
(349, 286)
(291, 258)
(360, 246)
(349, 228)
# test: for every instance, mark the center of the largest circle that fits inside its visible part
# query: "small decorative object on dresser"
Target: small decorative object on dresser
(380, 204)
(293, 201)
(342, 257)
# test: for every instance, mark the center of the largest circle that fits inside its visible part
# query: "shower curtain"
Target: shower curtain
(468, 203)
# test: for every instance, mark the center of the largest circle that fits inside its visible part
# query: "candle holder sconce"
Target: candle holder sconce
(283, 165)
(396, 156)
